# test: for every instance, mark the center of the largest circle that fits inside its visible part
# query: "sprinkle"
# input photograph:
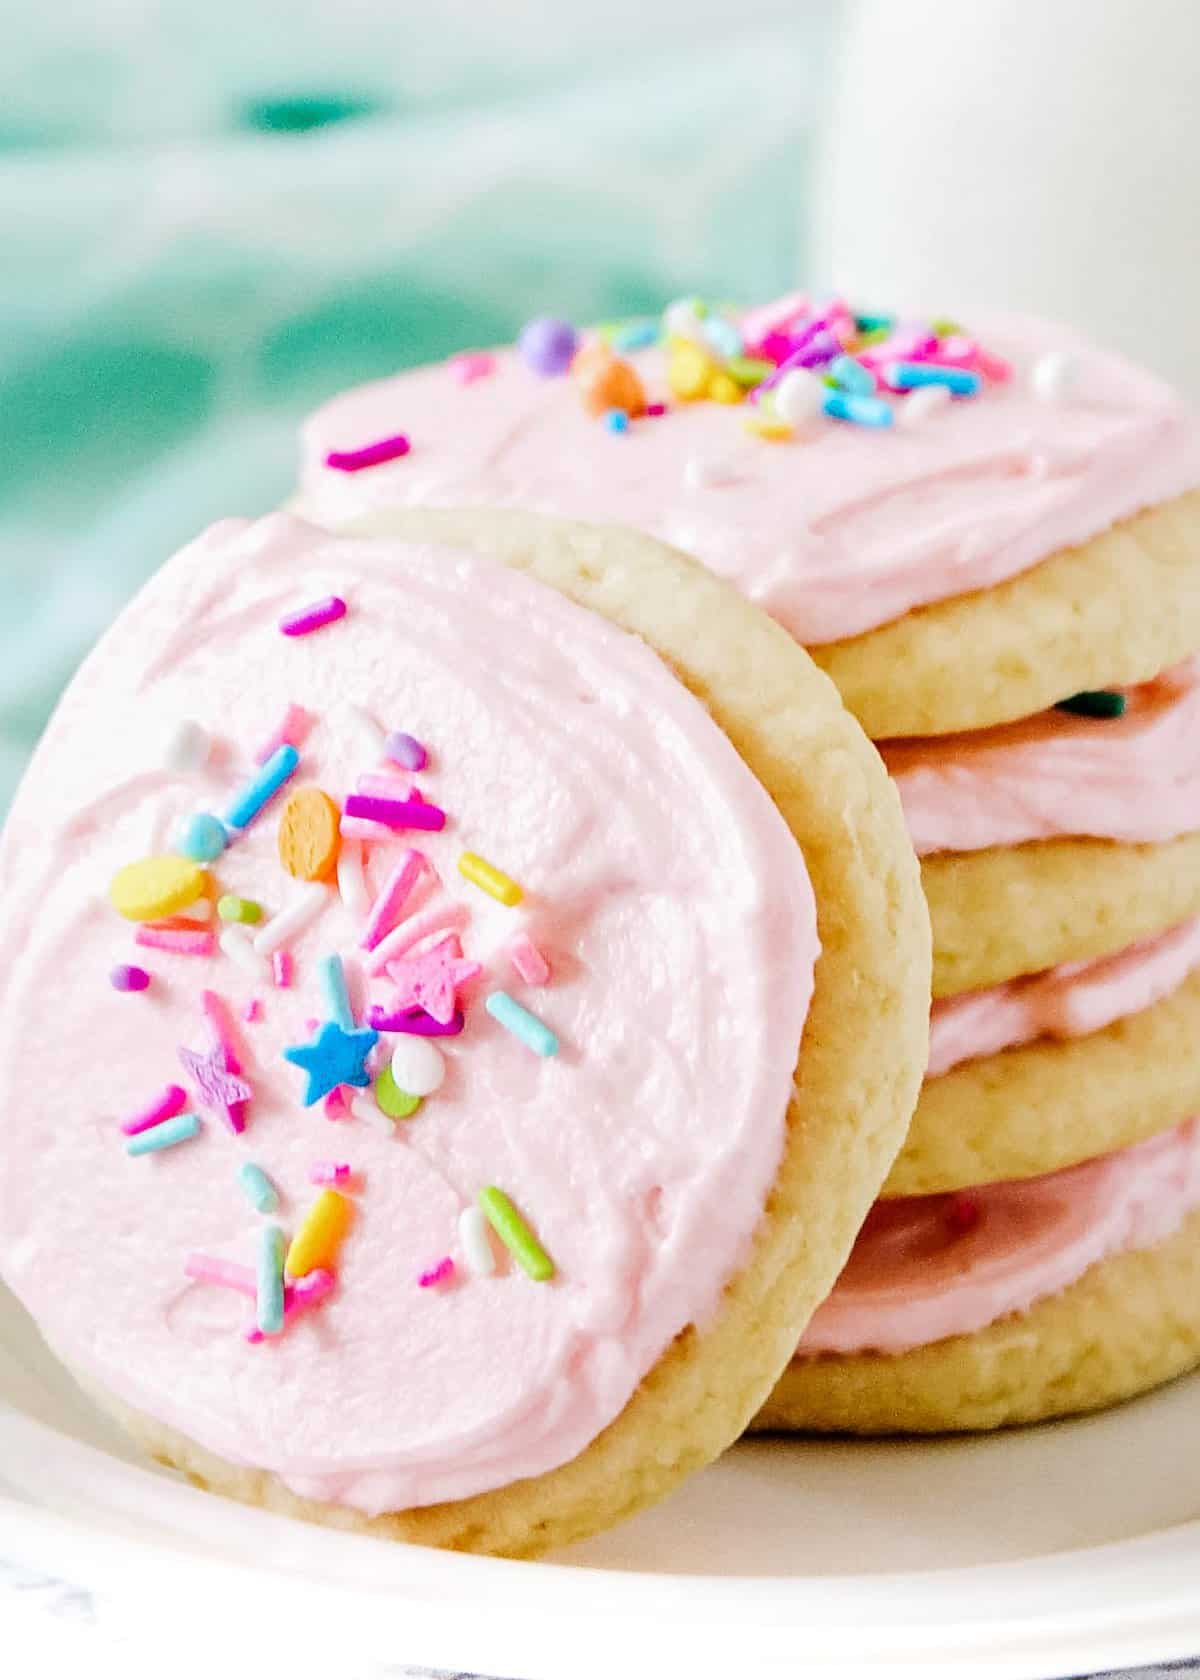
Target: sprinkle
(358, 828)
(406, 750)
(416, 1021)
(332, 977)
(308, 838)
(232, 909)
(315, 616)
(237, 945)
(391, 1100)
(749, 370)
(281, 969)
(185, 942)
(316, 1243)
(217, 1017)
(431, 979)
(251, 798)
(418, 1067)
(202, 838)
(617, 420)
(470, 365)
(476, 1243)
(863, 411)
(515, 1234)
(915, 410)
(547, 345)
(1095, 703)
(220, 1086)
(516, 1019)
(329, 1172)
(169, 1102)
(227, 1274)
(298, 1297)
(1054, 376)
(171, 1132)
(336, 1056)
(441, 919)
(655, 411)
(269, 1281)
(127, 977)
(441, 1273)
(724, 337)
(290, 731)
(186, 748)
(607, 382)
(492, 880)
(253, 1011)
(337, 1105)
(351, 882)
(851, 375)
(257, 1188)
(635, 335)
(394, 894)
(396, 813)
(300, 914)
(768, 427)
(528, 961)
(156, 887)
(370, 455)
(359, 722)
(908, 376)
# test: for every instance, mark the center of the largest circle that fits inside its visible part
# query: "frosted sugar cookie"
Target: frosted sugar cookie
(465, 1175)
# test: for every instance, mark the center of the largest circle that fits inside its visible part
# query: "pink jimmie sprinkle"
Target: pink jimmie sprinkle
(358, 828)
(450, 918)
(654, 411)
(329, 1172)
(221, 1027)
(185, 942)
(336, 1105)
(298, 1297)
(441, 1273)
(370, 455)
(388, 783)
(393, 896)
(253, 1011)
(528, 961)
(471, 365)
(168, 1103)
(305, 620)
(288, 732)
(396, 813)
(281, 969)
(206, 1268)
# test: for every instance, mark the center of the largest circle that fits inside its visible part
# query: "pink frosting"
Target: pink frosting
(1135, 777)
(641, 1155)
(935, 1266)
(838, 531)
(1065, 1002)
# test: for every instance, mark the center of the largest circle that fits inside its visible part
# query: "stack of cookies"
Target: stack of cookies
(988, 535)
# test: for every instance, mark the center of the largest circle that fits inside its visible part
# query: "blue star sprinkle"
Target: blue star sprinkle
(334, 1057)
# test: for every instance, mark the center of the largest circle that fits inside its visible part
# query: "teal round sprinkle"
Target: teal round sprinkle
(1095, 703)
(617, 420)
(202, 838)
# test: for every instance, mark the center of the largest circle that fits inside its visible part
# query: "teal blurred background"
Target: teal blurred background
(213, 218)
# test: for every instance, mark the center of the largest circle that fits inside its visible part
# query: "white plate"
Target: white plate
(1035, 1554)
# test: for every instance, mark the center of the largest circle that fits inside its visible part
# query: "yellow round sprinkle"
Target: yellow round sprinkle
(155, 887)
(491, 879)
(723, 389)
(689, 370)
(309, 836)
(317, 1241)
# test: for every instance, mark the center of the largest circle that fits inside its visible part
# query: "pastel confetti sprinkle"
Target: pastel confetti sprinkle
(290, 731)
(244, 910)
(184, 942)
(418, 1067)
(128, 977)
(281, 969)
(202, 838)
(491, 880)
(166, 1136)
(393, 895)
(308, 838)
(257, 1188)
(351, 882)
(441, 1273)
(186, 748)
(315, 616)
(396, 813)
(370, 455)
(617, 420)
(329, 1172)
(547, 346)
(294, 919)
(473, 1231)
(169, 1102)
(226, 1274)
(516, 1019)
(156, 887)
(530, 964)
(334, 1057)
(391, 1100)
(218, 1086)
(406, 750)
(440, 919)
(316, 1243)
(470, 365)
(269, 1281)
(515, 1234)
(255, 794)
(236, 944)
(431, 980)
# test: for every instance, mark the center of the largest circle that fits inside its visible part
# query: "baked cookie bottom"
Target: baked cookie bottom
(1128, 1324)
(1116, 610)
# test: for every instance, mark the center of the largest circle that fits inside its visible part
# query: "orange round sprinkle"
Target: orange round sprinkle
(309, 838)
(606, 381)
